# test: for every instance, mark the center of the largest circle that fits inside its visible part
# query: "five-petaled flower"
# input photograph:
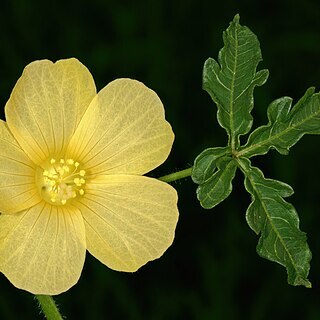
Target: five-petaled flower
(71, 166)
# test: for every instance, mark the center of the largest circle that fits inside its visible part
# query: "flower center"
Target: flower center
(59, 180)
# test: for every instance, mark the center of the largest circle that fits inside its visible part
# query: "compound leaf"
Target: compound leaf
(231, 80)
(277, 223)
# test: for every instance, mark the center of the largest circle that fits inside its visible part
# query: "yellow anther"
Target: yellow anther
(60, 180)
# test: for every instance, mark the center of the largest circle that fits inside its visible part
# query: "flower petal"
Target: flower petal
(47, 104)
(17, 175)
(129, 220)
(123, 131)
(42, 249)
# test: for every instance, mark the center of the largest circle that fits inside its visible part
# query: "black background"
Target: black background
(212, 270)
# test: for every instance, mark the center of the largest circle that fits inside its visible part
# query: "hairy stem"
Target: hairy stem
(49, 307)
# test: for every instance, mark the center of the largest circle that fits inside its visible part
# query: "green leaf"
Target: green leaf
(286, 126)
(277, 223)
(231, 80)
(219, 186)
(205, 164)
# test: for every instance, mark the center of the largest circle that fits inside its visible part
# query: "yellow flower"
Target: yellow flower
(71, 166)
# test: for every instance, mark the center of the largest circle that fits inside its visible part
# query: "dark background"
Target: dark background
(212, 270)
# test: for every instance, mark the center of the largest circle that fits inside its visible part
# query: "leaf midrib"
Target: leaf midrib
(223, 173)
(247, 150)
(232, 135)
(270, 220)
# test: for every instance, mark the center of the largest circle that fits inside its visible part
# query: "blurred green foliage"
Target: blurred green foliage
(212, 270)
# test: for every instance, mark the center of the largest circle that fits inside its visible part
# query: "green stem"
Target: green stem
(49, 307)
(176, 175)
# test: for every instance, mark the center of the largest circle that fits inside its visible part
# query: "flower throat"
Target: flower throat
(59, 180)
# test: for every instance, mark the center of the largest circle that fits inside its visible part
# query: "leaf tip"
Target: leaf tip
(302, 282)
(236, 18)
